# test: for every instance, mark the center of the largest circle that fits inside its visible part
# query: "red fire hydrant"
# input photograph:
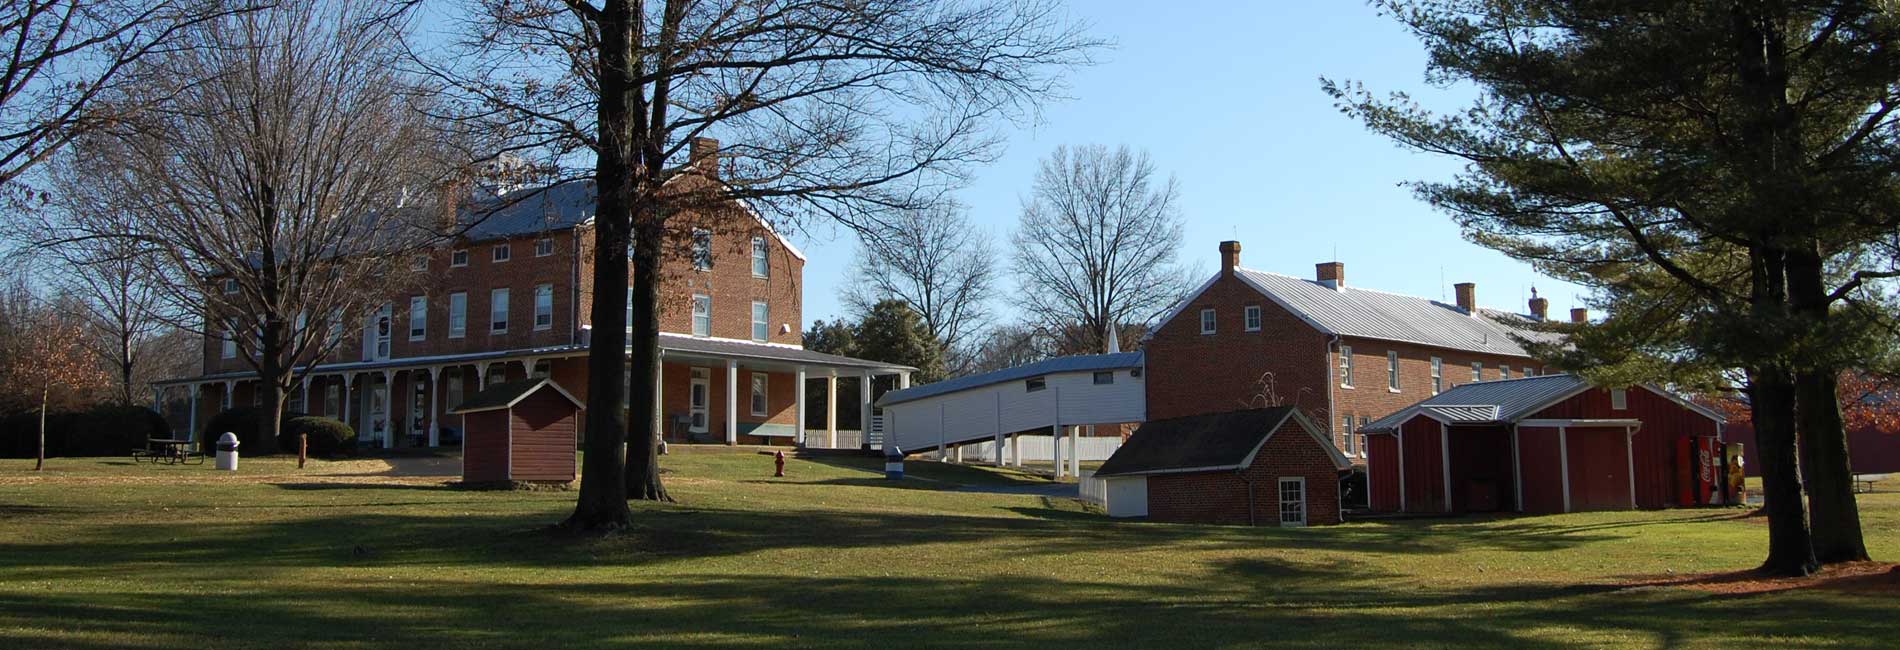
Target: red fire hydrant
(779, 460)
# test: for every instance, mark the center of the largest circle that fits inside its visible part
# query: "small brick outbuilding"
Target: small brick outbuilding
(520, 430)
(1267, 466)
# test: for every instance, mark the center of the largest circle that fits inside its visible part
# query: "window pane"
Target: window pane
(759, 264)
(498, 311)
(760, 316)
(458, 314)
(544, 306)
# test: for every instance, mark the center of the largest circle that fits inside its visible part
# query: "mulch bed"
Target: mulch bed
(1881, 578)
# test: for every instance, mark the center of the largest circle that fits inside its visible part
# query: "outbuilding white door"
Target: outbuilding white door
(1293, 502)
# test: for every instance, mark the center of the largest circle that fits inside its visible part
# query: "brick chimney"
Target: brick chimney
(1540, 307)
(449, 196)
(1579, 315)
(1229, 257)
(1331, 274)
(703, 154)
(1467, 296)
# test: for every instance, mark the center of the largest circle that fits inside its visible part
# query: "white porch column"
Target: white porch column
(230, 394)
(1055, 448)
(158, 400)
(303, 383)
(435, 394)
(864, 404)
(659, 405)
(903, 380)
(191, 423)
(732, 402)
(1075, 451)
(798, 408)
(343, 405)
(831, 408)
(389, 408)
(481, 377)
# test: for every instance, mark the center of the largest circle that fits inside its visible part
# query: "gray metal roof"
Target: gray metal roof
(529, 211)
(729, 348)
(1352, 311)
(1504, 400)
(1079, 363)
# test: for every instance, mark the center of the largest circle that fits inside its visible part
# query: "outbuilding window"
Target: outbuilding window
(1253, 318)
(1619, 399)
(1105, 378)
(1207, 321)
(1034, 384)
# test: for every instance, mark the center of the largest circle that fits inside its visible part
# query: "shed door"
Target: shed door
(1293, 501)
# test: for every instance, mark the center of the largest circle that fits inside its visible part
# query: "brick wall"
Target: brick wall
(1190, 373)
(1221, 497)
(1371, 398)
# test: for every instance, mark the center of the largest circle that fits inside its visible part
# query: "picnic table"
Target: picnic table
(1865, 482)
(170, 451)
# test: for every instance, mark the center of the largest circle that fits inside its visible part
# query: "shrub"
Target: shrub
(98, 431)
(328, 436)
(242, 421)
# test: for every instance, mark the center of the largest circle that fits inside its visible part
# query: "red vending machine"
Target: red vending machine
(1699, 472)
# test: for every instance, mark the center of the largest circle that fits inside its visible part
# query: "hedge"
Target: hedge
(242, 421)
(328, 437)
(98, 431)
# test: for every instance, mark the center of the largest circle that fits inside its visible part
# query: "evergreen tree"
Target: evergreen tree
(892, 332)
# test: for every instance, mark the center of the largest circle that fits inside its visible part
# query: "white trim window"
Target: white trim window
(458, 258)
(1438, 375)
(498, 311)
(1364, 421)
(421, 263)
(418, 318)
(630, 308)
(702, 315)
(1504, 372)
(543, 306)
(1035, 384)
(1346, 431)
(1104, 377)
(458, 314)
(230, 285)
(1292, 501)
(761, 317)
(503, 253)
(1345, 366)
(761, 402)
(702, 249)
(544, 247)
(1392, 370)
(1207, 321)
(229, 344)
(761, 264)
(1619, 399)
(1477, 371)
(1252, 321)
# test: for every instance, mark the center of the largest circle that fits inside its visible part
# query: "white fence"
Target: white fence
(1039, 448)
(1093, 490)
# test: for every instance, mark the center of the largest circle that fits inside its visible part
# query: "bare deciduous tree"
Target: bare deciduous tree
(272, 181)
(63, 56)
(44, 357)
(839, 111)
(940, 266)
(1097, 241)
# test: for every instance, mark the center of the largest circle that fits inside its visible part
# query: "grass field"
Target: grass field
(97, 553)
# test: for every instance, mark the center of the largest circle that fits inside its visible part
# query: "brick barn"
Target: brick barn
(521, 430)
(1268, 466)
(1544, 444)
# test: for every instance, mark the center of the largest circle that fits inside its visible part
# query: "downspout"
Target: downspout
(1242, 473)
(574, 286)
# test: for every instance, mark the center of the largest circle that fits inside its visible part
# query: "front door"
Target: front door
(1293, 502)
(379, 410)
(376, 334)
(419, 408)
(701, 396)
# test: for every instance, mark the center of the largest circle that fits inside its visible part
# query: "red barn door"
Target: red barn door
(1599, 468)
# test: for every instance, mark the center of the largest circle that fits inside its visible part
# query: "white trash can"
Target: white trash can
(228, 452)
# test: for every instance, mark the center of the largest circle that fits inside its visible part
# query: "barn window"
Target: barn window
(758, 393)
(1392, 369)
(1619, 399)
(1105, 378)
(1345, 366)
(1253, 318)
(1034, 384)
(1207, 321)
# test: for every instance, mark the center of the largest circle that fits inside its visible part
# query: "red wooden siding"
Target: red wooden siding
(1538, 455)
(485, 447)
(1481, 469)
(1424, 465)
(1382, 472)
(1664, 421)
(1599, 468)
(543, 438)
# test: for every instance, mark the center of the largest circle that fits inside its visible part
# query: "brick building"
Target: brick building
(511, 298)
(1263, 466)
(1343, 355)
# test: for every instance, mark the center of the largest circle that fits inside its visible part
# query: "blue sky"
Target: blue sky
(1225, 96)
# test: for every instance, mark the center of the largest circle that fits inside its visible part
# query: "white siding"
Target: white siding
(977, 414)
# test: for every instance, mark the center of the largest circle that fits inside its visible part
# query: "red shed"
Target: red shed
(1266, 466)
(519, 431)
(1540, 445)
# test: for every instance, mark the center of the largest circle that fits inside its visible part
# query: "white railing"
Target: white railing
(1093, 490)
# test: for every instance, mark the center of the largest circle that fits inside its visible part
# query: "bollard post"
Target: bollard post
(303, 448)
(778, 459)
(228, 452)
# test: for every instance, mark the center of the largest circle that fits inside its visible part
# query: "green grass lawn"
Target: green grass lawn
(98, 553)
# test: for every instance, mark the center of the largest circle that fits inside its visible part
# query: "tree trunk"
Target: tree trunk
(1829, 478)
(643, 453)
(602, 505)
(1771, 400)
(270, 375)
(40, 460)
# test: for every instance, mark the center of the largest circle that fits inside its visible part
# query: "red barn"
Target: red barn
(1541, 445)
(519, 431)
(1266, 466)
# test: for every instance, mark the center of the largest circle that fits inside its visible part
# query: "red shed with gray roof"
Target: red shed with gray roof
(1268, 466)
(519, 431)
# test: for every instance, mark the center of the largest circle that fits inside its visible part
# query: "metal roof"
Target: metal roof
(507, 394)
(1504, 400)
(1079, 363)
(773, 352)
(529, 211)
(1351, 311)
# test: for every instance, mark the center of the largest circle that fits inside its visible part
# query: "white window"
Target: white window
(1619, 399)
(498, 311)
(418, 318)
(543, 247)
(1438, 375)
(230, 344)
(1292, 501)
(332, 395)
(502, 254)
(1504, 372)
(1207, 321)
(1392, 369)
(760, 315)
(1345, 428)
(1345, 366)
(1105, 377)
(1253, 318)
(458, 258)
(1477, 371)
(702, 249)
(421, 263)
(1363, 421)
(230, 285)
(458, 314)
(759, 401)
(760, 266)
(702, 315)
(1034, 384)
(543, 306)
(542, 369)
(336, 326)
